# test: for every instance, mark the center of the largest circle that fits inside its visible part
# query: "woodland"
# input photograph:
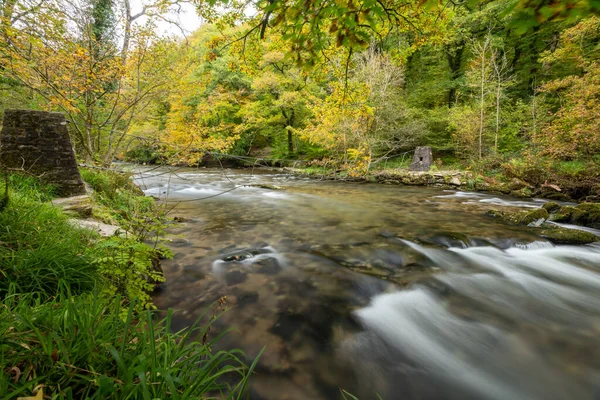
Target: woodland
(505, 87)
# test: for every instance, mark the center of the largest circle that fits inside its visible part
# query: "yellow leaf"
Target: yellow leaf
(38, 396)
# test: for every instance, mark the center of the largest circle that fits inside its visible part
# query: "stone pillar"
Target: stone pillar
(39, 142)
(422, 159)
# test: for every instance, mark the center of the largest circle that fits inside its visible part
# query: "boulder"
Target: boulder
(104, 230)
(551, 206)
(585, 214)
(77, 206)
(523, 192)
(591, 215)
(553, 195)
(559, 235)
(455, 180)
(531, 217)
(516, 184)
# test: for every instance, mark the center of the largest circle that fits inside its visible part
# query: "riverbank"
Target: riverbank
(588, 190)
(76, 319)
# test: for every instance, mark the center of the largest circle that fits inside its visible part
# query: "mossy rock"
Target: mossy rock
(586, 214)
(590, 216)
(529, 217)
(520, 218)
(563, 214)
(552, 207)
(76, 206)
(524, 192)
(498, 187)
(517, 185)
(555, 196)
(495, 213)
(559, 235)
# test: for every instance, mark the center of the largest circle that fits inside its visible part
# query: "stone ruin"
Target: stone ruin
(38, 142)
(422, 159)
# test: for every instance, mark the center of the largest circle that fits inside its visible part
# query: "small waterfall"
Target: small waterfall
(494, 333)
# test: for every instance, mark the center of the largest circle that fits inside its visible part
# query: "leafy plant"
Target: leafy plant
(127, 265)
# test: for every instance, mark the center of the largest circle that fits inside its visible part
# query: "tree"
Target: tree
(311, 27)
(503, 79)
(481, 72)
(573, 130)
(67, 55)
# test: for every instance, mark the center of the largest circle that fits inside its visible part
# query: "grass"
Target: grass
(70, 318)
(40, 252)
(80, 348)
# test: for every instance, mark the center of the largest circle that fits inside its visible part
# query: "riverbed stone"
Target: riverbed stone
(235, 277)
(422, 159)
(38, 142)
(268, 266)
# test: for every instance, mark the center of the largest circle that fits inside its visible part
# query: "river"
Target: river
(392, 291)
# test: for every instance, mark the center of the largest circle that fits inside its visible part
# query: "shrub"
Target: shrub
(122, 202)
(127, 267)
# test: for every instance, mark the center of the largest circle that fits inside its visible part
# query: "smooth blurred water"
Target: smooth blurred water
(405, 292)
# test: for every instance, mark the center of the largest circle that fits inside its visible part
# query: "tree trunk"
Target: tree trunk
(126, 32)
(498, 94)
(290, 140)
(482, 101)
(454, 63)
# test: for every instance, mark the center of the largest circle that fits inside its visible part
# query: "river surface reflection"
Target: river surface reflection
(405, 292)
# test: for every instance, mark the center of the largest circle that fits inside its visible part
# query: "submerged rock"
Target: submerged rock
(243, 254)
(234, 277)
(268, 266)
(265, 186)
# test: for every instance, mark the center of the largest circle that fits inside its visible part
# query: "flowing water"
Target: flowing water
(401, 292)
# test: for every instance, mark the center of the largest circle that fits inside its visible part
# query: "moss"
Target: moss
(563, 214)
(570, 215)
(497, 187)
(552, 207)
(516, 185)
(528, 217)
(555, 196)
(495, 214)
(520, 218)
(524, 192)
(559, 235)
(588, 215)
